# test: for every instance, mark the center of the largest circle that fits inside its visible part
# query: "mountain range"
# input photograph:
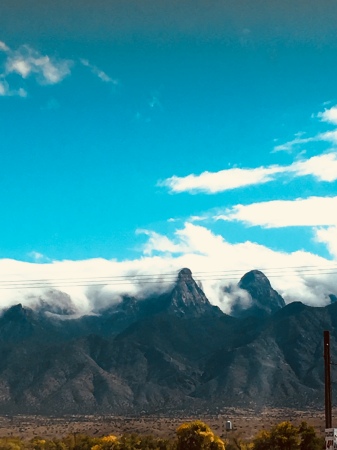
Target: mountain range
(167, 353)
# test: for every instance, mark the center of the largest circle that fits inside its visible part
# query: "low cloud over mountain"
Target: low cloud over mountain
(172, 350)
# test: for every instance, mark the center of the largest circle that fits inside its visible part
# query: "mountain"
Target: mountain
(264, 300)
(187, 299)
(168, 352)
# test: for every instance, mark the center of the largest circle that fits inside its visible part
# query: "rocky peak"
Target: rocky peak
(16, 323)
(188, 299)
(264, 299)
(252, 278)
(16, 313)
(185, 275)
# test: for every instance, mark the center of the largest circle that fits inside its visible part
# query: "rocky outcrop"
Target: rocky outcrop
(264, 300)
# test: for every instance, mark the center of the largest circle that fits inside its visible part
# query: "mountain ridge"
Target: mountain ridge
(171, 351)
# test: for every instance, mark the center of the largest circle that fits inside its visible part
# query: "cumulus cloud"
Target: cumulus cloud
(329, 115)
(322, 167)
(312, 211)
(216, 263)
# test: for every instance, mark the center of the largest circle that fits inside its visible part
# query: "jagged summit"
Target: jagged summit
(188, 299)
(16, 323)
(264, 299)
(16, 312)
(14, 309)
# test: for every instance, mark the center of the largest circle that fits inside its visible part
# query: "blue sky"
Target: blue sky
(146, 130)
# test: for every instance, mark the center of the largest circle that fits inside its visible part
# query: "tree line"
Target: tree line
(195, 435)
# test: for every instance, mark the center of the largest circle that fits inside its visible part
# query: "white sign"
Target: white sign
(331, 439)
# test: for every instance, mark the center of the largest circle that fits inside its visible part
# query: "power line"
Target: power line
(166, 278)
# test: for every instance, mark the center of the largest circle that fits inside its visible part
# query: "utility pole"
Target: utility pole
(327, 363)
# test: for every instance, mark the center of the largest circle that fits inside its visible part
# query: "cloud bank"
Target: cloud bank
(97, 283)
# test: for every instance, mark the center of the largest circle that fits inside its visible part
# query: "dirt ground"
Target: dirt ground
(246, 423)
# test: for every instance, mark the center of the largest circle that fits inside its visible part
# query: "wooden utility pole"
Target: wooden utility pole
(327, 363)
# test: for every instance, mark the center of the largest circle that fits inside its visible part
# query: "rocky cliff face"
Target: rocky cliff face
(264, 300)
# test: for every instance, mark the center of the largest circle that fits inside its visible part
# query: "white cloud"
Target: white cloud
(38, 257)
(47, 70)
(312, 211)
(98, 72)
(3, 47)
(198, 218)
(217, 263)
(329, 115)
(212, 182)
(214, 262)
(322, 167)
(328, 136)
(289, 146)
(26, 62)
(328, 236)
(5, 90)
(20, 66)
(159, 243)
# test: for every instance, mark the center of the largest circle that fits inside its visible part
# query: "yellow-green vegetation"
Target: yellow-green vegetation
(84, 442)
(286, 436)
(194, 435)
(197, 436)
